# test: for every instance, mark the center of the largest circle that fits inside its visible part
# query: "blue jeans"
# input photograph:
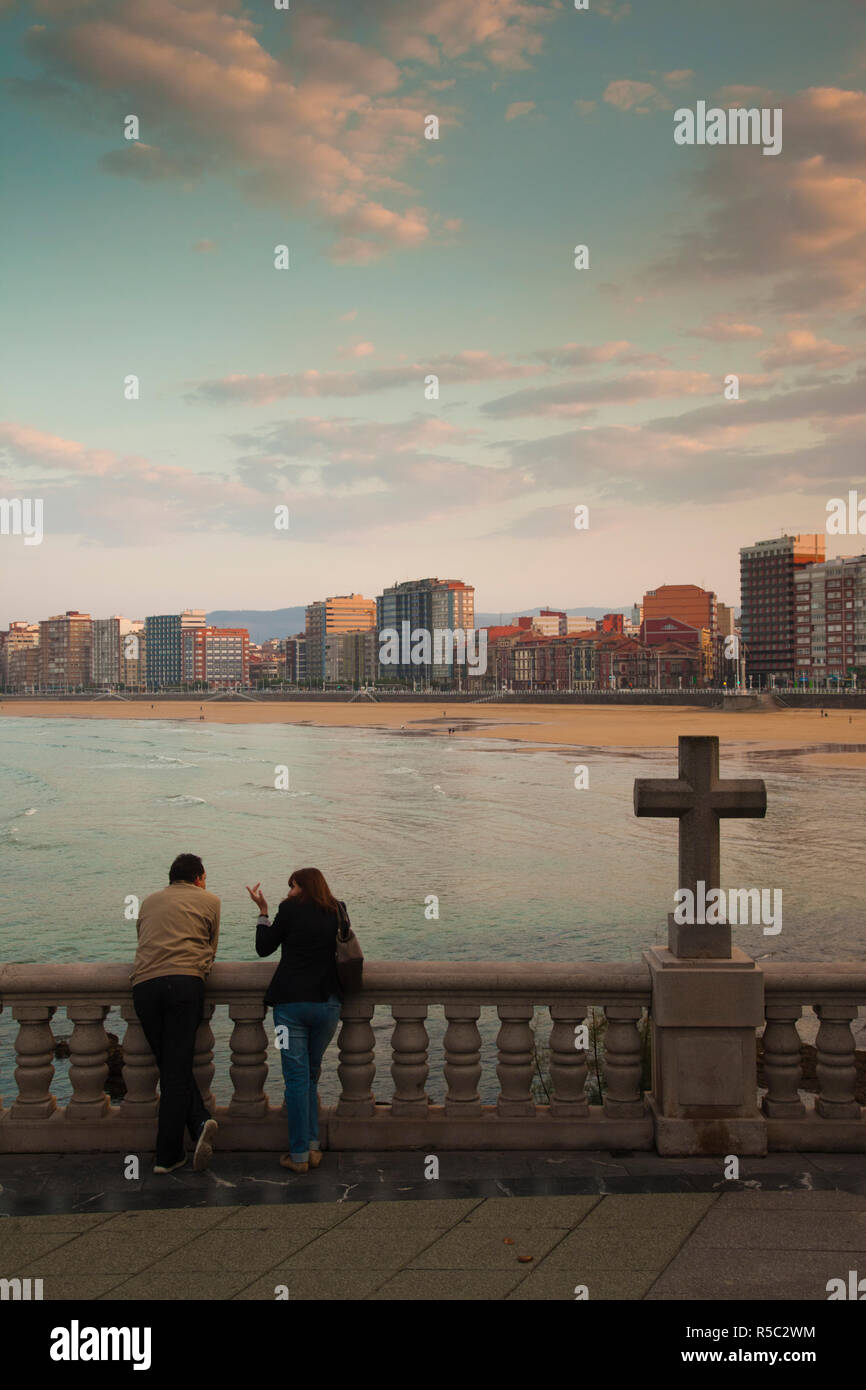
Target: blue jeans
(310, 1026)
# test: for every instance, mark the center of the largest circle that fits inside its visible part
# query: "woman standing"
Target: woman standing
(306, 998)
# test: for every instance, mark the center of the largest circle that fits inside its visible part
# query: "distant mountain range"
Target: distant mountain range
(263, 624)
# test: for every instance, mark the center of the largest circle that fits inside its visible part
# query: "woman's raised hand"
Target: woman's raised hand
(258, 898)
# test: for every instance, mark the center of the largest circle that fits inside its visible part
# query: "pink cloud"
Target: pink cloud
(519, 108)
(356, 350)
(799, 347)
(641, 97)
(724, 328)
(326, 125)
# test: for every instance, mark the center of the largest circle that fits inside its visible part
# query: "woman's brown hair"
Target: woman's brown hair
(314, 888)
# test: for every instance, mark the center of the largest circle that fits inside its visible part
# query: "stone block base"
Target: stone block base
(686, 1138)
(812, 1134)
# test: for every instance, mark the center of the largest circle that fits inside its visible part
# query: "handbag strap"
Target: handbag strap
(343, 927)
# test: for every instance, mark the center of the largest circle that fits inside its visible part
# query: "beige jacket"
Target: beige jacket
(178, 930)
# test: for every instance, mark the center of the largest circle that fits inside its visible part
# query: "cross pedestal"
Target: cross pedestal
(707, 995)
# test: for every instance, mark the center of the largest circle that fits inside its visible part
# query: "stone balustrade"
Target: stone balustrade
(836, 1122)
(565, 994)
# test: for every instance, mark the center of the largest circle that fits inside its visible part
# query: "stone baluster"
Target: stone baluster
(34, 1049)
(567, 1062)
(249, 1063)
(140, 1072)
(515, 1066)
(462, 1043)
(622, 1062)
(203, 1063)
(88, 1062)
(357, 1064)
(782, 1071)
(409, 1070)
(835, 1063)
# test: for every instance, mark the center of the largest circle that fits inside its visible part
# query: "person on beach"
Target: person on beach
(178, 931)
(306, 998)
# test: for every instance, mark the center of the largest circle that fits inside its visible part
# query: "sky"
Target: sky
(303, 388)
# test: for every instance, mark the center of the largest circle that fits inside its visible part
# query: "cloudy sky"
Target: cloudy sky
(411, 257)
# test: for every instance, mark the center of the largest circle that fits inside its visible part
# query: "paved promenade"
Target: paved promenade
(494, 1226)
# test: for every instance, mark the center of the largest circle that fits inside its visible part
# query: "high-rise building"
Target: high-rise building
(65, 644)
(830, 617)
(341, 613)
(767, 573)
(352, 658)
(133, 654)
(430, 606)
(20, 637)
(216, 655)
(578, 623)
(164, 647)
(296, 658)
(105, 658)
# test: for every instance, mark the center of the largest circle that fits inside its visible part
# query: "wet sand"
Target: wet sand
(564, 726)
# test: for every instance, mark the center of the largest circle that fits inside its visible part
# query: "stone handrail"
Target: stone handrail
(34, 1122)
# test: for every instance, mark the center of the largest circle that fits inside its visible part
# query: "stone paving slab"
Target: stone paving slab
(252, 1251)
(362, 1249)
(766, 1275)
(93, 1184)
(515, 1213)
(775, 1229)
(304, 1284)
(455, 1285)
(558, 1284)
(730, 1242)
(473, 1247)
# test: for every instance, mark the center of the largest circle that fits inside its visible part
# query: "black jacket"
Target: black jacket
(307, 971)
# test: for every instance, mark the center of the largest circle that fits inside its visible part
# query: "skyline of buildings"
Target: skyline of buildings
(803, 621)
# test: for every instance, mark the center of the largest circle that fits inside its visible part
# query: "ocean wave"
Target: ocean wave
(181, 800)
(401, 772)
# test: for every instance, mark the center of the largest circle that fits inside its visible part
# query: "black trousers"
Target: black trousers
(170, 1009)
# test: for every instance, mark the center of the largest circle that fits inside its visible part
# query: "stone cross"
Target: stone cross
(699, 798)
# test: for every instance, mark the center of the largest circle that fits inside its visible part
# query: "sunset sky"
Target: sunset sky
(411, 257)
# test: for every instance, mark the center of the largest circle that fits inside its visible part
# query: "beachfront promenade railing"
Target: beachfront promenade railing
(705, 999)
(401, 1115)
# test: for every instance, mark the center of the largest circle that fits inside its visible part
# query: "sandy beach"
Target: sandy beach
(564, 726)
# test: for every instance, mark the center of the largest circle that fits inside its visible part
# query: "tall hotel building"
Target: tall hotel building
(432, 605)
(767, 573)
(830, 604)
(164, 645)
(342, 613)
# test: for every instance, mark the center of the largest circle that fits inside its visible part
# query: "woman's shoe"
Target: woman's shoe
(286, 1162)
(315, 1157)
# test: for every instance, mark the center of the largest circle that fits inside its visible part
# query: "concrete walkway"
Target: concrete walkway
(781, 1235)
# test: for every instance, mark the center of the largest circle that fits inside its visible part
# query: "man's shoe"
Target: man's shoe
(286, 1162)
(204, 1148)
(163, 1168)
(315, 1157)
